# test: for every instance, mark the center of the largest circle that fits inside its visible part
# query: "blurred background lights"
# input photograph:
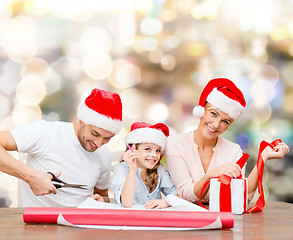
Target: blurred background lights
(132, 102)
(205, 9)
(263, 112)
(196, 49)
(97, 66)
(287, 72)
(168, 62)
(146, 44)
(10, 77)
(37, 6)
(53, 85)
(156, 56)
(144, 6)
(30, 90)
(37, 67)
(122, 28)
(17, 38)
(23, 51)
(5, 10)
(168, 15)
(124, 74)
(69, 67)
(23, 114)
(262, 92)
(151, 26)
(171, 42)
(4, 106)
(77, 10)
(219, 45)
(96, 40)
(157, 112)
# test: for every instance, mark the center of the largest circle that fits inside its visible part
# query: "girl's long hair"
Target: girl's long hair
(151, 180)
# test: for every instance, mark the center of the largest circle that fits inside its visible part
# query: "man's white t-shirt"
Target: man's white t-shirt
(54, 146)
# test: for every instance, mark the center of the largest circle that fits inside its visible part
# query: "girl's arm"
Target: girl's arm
(277, 153)
(128, 190)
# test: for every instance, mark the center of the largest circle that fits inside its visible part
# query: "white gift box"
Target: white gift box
(239, 195)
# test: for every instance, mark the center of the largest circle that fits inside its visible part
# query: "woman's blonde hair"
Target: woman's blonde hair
(151, 180)
(208, 106)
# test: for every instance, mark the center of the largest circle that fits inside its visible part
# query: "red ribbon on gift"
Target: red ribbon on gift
(225, 193)
(259, 205)
(225, 188)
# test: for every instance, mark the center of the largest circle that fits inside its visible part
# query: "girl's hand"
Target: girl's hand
(230, 169)
(98, 198)
(130, 158)
(278, 152)
(156, 204)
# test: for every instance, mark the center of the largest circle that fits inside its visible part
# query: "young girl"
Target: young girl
(197, 156)
(140, 177)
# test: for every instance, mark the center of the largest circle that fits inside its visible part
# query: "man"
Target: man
(73, 151)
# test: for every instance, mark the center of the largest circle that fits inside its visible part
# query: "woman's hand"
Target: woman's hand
(130, 158)
(156, 204)
(230, 169)
(277, 152)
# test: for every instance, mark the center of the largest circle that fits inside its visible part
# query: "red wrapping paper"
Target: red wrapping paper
(118, 217)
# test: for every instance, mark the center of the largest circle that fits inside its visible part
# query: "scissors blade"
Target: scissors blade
(74, 186)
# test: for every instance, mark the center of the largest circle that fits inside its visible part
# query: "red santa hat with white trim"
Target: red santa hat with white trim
(142, 132)
(222, 94)
(102, 109)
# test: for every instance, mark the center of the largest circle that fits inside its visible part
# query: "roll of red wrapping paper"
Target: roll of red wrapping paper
(121, 217)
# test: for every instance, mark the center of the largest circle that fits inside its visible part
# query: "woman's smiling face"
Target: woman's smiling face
(214, 122)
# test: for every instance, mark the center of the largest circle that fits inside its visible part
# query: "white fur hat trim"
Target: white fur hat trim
(91, 117)
(146, 135)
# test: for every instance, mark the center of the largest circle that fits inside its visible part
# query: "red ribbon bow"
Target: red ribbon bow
(225, 189)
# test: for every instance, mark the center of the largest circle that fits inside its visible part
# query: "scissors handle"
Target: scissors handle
(58, 182)
(55, 179)
(57, 185)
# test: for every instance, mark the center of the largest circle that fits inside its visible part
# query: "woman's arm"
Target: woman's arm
(277, 153)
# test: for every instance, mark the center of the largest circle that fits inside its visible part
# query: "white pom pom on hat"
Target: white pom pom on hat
(223, 94)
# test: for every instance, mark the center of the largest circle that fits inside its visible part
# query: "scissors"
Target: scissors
(58, 183)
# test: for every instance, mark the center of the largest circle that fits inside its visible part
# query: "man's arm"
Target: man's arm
(39, 182)
(103, 193)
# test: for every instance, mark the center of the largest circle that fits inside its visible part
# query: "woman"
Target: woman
(195, 157)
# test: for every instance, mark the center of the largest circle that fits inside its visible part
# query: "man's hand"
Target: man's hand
(41, 184)
(98, 198)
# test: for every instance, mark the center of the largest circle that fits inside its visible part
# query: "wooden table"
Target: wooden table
(276, 222)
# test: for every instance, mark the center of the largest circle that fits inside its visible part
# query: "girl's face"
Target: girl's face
(149, 155)
(214, 123)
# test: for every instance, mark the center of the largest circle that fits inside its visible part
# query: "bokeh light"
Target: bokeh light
(124, 74)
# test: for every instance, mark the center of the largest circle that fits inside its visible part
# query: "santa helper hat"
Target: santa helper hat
(102, 109)
(142, 132)
(222, 94)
